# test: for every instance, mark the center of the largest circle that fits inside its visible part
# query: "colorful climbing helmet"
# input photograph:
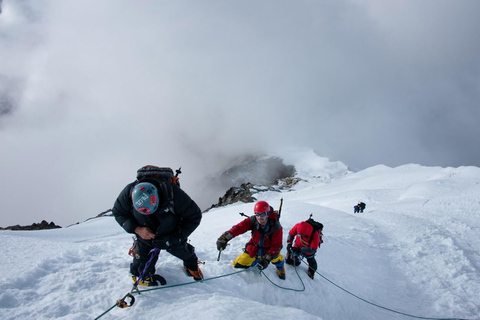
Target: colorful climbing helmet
(145, 198)
(262, 208)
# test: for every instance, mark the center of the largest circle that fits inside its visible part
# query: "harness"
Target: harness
(271, 227)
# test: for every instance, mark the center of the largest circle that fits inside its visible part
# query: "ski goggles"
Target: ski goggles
(261, 214)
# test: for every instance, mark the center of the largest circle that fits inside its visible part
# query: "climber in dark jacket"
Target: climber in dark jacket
(162, 216)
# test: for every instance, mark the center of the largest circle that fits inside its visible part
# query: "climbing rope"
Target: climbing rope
(379, 306)
(285, 288)
(121, 303)
(188, 283)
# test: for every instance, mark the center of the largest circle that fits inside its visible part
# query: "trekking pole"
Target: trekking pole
(280, 208)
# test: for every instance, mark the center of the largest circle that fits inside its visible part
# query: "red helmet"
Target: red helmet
(261, 207)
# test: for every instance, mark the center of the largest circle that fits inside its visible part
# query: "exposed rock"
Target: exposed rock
(35, 226)
(236, 194)
(105, 213)
(257, 171)
(245, 192)
(288, 182)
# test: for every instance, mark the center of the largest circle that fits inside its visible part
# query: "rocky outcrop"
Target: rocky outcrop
(257, 171)
(35, 226)
(245, 192)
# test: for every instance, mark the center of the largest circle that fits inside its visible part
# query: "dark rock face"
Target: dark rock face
(245, 192)
(35, 226)
(255, 175)
(235, 194)
(258, 171)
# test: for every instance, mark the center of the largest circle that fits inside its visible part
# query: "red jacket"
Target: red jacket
(303, 230)
(269, 239)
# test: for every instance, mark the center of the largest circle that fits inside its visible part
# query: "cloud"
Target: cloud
(94, 90)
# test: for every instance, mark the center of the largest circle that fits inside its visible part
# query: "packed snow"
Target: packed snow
(414, 252)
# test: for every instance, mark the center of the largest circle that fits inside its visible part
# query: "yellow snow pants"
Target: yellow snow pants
(245, 261)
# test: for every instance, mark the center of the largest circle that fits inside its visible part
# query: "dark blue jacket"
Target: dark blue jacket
(177, 214)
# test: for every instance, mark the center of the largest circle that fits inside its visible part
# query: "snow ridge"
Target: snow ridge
(415, 250)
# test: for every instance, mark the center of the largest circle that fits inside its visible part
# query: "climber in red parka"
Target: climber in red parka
(308, 236)
(264, 245)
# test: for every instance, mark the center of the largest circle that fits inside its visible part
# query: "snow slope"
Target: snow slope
(415, 250)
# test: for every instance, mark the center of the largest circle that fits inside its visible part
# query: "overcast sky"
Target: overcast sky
(92, 90)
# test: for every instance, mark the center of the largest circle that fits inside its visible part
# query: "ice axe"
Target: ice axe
(220, 252)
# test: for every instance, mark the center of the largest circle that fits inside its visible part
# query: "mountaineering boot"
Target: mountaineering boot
(281, 273)
(150, 281)
(311, 273)
(197, 275)
(289, 259)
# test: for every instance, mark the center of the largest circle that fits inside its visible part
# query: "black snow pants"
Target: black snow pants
(185, 252)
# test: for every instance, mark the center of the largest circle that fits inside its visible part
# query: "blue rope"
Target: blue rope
(278, 286)
(379, 306)
(170, 286)
(285, 288)
(188, 283)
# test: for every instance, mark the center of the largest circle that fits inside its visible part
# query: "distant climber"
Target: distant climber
(359, 207)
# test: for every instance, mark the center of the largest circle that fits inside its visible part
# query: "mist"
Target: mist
(91, 91)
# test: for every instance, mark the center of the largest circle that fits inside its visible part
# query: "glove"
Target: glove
(168, 241)
(263, 263)
(223, 240)
(289, 247)
(296, 250)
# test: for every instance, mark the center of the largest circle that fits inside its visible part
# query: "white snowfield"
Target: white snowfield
(414, 252)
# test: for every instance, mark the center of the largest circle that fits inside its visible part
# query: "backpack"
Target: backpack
(162, 177)
(317, 226)
(160, 173)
